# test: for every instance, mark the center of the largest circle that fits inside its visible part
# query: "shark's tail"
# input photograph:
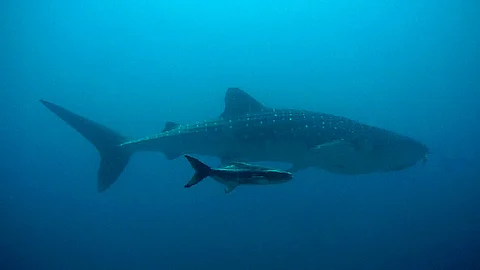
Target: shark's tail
(201, 171)
(114, 157)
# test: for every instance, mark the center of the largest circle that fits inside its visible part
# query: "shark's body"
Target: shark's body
(248, 131)
(237, 173)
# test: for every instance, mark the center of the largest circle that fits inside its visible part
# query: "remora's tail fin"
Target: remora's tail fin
(114, 158)
(201, 171)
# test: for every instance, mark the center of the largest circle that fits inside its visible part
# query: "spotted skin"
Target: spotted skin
(288, 135)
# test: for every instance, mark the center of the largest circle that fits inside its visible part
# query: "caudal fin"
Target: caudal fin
(114, 158)
(201, 171)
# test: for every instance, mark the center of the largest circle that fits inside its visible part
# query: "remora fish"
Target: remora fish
(237, 173)
(249, 131)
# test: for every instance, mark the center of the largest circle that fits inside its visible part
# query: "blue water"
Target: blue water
(408, 66)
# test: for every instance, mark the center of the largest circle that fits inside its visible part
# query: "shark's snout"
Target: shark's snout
(406, 153)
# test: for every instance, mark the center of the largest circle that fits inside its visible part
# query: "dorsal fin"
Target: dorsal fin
(169, 126)
(237, 103)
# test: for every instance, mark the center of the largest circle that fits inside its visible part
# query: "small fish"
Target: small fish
(237, 173)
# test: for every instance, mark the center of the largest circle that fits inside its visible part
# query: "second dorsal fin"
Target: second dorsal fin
(237, 103)
(169, 126)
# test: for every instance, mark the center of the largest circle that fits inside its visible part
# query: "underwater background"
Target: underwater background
(408, 66)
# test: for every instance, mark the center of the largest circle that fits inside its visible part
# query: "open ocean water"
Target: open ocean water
(408, 66)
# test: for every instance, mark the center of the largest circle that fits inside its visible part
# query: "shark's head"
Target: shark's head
(401, 153)
(382, 152)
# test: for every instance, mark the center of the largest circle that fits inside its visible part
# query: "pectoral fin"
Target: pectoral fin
(361, 145)
(342, 156)
(336, 145)
(230, 187)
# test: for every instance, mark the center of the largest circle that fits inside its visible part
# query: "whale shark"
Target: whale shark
(249, 131)
(237, 173)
